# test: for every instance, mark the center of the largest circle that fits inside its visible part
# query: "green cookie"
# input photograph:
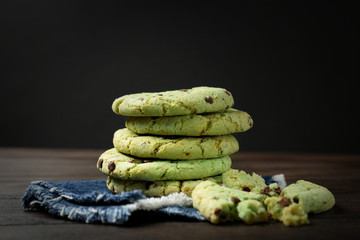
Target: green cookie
(118, 165)
(315, 198)
(221, 123)
(296, 200)
(156, 188)
(241, 180)
(172, 103)
(174, 148)
(220, 204)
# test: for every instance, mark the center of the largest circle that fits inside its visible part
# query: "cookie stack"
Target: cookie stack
(173, 140)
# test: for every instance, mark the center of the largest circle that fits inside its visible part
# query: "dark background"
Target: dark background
(292, 65)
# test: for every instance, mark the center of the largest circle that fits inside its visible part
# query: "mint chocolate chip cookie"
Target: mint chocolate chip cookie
(298, 199)
(118, 165)
(220, 204)
(220, 123)
(239, 179)
(172, 103)
(315, 198)
(182, 148)
(157, 188)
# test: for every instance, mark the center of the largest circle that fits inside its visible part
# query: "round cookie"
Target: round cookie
(172, 103)
(220, 123)
(182, 148)
(313, 197)
(118, 165)
(156, 188)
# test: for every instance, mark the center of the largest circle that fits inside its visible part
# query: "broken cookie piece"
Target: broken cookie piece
(221, 204)
(297, 200)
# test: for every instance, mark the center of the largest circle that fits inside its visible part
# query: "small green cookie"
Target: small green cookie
(182, 148)
(221, 123)
(156, 188)
(315, 198)
(118, 165)
(172, 103)
(296, 200)
(220, 204)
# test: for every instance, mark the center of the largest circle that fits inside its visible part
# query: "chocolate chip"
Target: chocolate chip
(217, 211)
(284, 202)
(209, 100)
(296, 200)
(113, 190)
(147, 161)
(246, 189)
(100, 163)
(160, 94)
(111, 166)
(184, 90)
(235, 200)
(220, 184)
(141, 99)
(187, 153)
(265, 190)
(131, 161)
(156, 149)
(227, 92)
(278, 190)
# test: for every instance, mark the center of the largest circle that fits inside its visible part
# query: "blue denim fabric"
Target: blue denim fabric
(92, 202)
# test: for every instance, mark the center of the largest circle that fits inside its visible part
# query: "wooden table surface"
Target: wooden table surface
(339, 173)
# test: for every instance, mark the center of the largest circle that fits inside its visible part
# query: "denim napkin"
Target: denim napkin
(92, 202)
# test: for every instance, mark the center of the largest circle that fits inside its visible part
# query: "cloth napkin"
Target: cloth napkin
(92, 202)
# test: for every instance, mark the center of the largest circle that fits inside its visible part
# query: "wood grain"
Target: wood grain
(339, 173)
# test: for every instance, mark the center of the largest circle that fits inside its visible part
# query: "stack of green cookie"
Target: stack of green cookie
(173, 140)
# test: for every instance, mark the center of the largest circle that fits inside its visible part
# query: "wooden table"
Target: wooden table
(339, 173)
